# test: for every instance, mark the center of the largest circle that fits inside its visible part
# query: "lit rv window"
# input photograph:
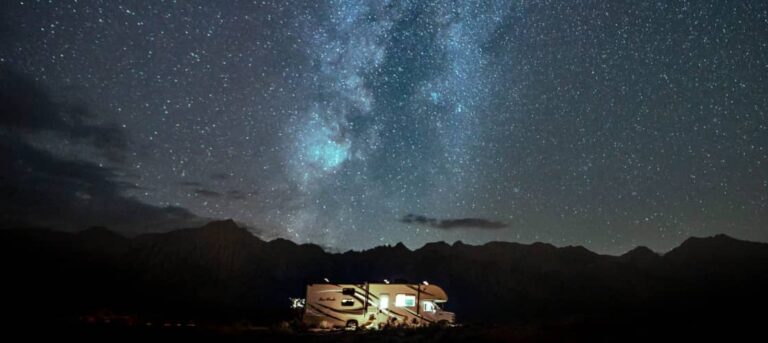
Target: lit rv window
(429, 306)
(347, 302)
(383, 301)
(348, 291)
(405, 300)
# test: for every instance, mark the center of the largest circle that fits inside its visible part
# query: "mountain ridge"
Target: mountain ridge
(221, 271)
(229, 227)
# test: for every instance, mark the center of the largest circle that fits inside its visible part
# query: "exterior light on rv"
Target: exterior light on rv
(297, 303)
(326, 280)
(386, 281)
(425, 283)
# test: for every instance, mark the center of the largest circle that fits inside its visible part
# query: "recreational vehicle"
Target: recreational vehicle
(375, 305)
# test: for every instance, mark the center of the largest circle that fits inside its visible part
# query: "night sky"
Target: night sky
(352, 124)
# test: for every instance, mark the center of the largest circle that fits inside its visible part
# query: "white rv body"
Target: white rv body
(375, 305)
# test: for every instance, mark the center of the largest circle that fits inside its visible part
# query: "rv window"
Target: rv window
(347, 302)
(405, 300)
(429, 306)
(348, 291)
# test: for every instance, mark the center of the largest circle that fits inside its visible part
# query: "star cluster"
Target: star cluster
(598, 123)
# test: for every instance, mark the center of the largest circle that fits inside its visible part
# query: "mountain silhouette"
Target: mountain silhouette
(222, 272)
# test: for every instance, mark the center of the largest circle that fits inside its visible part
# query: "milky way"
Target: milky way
(596, 123)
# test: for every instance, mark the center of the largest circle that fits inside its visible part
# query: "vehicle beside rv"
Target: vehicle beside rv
(375, 306)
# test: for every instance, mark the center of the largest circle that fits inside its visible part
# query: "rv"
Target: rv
(375, 306)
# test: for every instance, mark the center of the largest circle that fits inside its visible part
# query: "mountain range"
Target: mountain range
(222, 272)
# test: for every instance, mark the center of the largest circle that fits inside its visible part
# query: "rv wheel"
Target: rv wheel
(352, 325)
(443, 323)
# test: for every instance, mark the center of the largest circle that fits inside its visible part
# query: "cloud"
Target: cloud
(28, 109)
(208, 193)
(219, 176)
(40, 188)
(447, 224)
(191, 183)
(204, 192)
(230, 195)
(238, 195)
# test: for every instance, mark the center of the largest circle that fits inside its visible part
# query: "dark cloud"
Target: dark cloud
(27, 109)
(38, 188)
(238, 195)
(219, 176)
(204, 192)
(447, 224)
(208, 193)
(231, 195)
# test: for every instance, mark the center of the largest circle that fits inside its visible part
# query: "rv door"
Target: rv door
(383, 301)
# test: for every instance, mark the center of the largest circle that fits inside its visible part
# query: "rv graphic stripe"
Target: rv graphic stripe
(325, 314)
(363, 291)
(354, 311)
(362, 299)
